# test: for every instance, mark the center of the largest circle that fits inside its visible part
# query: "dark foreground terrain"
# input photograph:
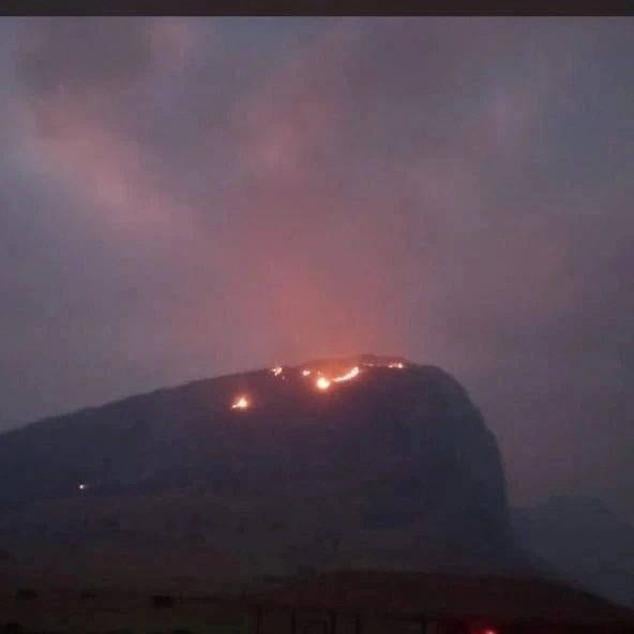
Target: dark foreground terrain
(344, 602)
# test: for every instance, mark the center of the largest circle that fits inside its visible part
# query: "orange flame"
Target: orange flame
(322, 383)
(350, 374)
(241, 402)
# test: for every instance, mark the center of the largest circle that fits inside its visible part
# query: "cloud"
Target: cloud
(83, 54)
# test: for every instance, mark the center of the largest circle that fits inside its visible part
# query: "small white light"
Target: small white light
(82, 486)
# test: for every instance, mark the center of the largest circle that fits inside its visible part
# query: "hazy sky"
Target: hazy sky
(181, 198)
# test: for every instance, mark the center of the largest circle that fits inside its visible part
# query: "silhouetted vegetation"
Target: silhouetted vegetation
(163, 601)
(305, 572)
(5, 555)
(26, 594)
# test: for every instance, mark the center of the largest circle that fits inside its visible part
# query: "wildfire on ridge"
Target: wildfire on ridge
(324, 378)
(322, 383)
(350, 374)
(241, 402)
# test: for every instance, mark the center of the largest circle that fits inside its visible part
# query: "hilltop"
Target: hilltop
(364, 461)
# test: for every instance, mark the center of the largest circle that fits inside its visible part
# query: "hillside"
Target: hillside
(354, 462)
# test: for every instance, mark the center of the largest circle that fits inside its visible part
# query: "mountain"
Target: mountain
(584, 541)
(364, 461)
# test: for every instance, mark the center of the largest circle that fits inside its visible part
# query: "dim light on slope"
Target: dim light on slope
(277, 370)
(396, 364)
(306, 372)
(241, 402)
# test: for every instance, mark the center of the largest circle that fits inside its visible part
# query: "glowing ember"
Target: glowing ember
(306, 372)
(277, 370)
(398, 365)
(241, 402)
(348, 375)
(322, 383)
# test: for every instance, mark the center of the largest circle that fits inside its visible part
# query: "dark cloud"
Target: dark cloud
(83, 54)
(188, 197)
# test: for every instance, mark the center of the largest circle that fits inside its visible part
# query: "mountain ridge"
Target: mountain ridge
(359, 461)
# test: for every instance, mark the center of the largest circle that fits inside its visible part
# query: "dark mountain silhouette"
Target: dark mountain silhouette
(394, 467)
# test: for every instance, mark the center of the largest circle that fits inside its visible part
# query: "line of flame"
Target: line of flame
(350, 374)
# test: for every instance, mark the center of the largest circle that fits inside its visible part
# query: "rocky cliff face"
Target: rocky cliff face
(387, 465)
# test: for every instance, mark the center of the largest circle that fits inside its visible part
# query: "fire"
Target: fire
(322, 383)
(350, 374)
(241, 402)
